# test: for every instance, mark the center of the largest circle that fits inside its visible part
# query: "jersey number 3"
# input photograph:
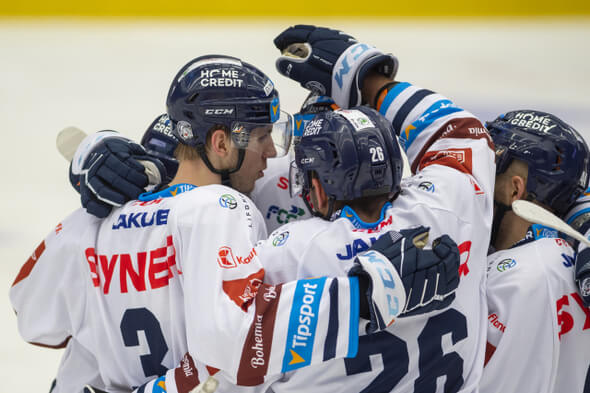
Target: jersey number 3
(136, 319)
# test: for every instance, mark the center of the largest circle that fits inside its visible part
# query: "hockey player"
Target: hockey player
(538, 327)
(271, 193)
(340, 163)
(451, 155)
(78, 366)
(168, 265)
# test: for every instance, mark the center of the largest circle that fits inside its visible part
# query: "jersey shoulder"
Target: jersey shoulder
(538, 260)
(212, 200)
(442, 188)
(299, 234)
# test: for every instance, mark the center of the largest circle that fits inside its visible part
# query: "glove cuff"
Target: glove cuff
(384, 64)
(86, 146)
(388, 296)
(344, 74)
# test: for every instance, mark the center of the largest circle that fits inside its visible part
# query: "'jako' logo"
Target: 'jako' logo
(280, 239)
(228, 201)
(505, 264)
(426, 186)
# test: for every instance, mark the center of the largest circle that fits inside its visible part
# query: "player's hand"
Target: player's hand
(115, 171)
(406, 279)
(330, 62)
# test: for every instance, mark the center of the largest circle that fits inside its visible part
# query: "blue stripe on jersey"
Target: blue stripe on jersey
(142, 388)
(577, 214)
(302, 323)
(542, 231)
(408, 135)
(407, 107)
(353, 342)
(167, 192)
(391, 95)
(332, 334)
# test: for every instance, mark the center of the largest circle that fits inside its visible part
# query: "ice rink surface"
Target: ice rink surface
(115, 75)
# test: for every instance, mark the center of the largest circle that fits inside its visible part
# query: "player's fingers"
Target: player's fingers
(98, 209)
(121, 184)
(444, 246)
(92, 205)
(130, 169)
(293, 34)
(103, 192)
(415, 297)
(431, 285)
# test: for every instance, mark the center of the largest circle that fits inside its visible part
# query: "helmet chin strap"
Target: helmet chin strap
(315, 213)
(225, 180)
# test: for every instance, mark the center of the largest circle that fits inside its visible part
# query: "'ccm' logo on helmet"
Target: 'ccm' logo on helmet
(219, 111)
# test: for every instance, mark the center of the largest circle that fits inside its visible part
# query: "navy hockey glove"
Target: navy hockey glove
(115, 171)
(427, 279)
(330, 62)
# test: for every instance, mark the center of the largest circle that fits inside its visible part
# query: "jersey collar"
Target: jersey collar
(166, 192)
(350, 215)
(535, 232)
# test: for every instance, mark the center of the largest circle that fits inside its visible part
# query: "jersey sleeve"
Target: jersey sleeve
(238, 323)
(521, 323)
(434, 131)
(48, 292)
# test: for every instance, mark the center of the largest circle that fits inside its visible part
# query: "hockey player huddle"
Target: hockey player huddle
(276, 253)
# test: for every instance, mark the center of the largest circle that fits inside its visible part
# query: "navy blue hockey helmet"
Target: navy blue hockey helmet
(216, 90)
(159, 142)
(558, 158)
(312, 105)
(352, 152)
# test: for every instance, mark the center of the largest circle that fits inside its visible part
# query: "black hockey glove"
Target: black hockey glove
(330, 62)
(429, 278)
(115, 171)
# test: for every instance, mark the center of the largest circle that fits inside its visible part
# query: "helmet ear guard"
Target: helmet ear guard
(558, 159)
(159, 142)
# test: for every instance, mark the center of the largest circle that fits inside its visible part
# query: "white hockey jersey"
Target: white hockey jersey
(538, 329)
(452, 194)
(174, 273)
(272, 197)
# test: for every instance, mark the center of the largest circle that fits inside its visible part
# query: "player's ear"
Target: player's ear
(220, 143)
(517, 188)
(321, 199)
